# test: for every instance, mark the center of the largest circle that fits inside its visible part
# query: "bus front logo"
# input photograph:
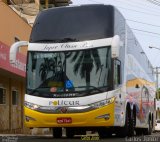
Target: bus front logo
(64, 103)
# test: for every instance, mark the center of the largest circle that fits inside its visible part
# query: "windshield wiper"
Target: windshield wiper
(95, 88)
(36, 89)
(57, 40)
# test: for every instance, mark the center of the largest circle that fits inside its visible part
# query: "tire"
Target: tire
(150, 128)
(139, 131)
(128, 129)
(57, 132)
(69, 132)
(148, 131)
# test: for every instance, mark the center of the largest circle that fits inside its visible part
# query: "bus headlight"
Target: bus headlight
(31, 105)
(103, 103)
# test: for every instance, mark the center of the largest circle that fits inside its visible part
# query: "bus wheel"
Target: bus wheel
(148, 131)
(139, 132)
(69, 132)
(57, 132)
(128, 129)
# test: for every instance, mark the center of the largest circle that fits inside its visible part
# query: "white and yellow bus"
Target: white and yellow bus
(85, 71)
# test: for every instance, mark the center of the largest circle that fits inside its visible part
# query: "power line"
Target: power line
(145, 31)
(141, 2)
(140, 22)
(155, 2)
(157, 15)
(143, 23)
(146, 34)
(137, 6)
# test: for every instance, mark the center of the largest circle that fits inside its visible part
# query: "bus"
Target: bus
(86, 71)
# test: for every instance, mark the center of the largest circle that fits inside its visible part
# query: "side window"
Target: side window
(14, 97)
(2, 96)
(117, 72)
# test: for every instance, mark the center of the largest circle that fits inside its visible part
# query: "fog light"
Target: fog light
(105, 116)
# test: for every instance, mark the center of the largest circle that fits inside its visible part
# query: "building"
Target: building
(15, 24)
(29, 9)
(12, 78)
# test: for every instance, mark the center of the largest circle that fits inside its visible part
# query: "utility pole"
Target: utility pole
(157, 92)
(157, 83)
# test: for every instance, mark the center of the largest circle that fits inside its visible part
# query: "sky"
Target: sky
(143, 17)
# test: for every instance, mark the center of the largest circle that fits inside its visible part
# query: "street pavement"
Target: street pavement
(155, 137)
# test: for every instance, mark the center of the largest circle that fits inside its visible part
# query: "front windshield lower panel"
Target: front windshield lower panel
(69, 74)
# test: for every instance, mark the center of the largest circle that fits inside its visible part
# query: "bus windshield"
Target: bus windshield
(62, 72)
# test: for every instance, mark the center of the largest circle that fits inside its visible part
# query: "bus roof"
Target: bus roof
(78, 23)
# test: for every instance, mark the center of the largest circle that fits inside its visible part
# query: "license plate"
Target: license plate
(64, 120)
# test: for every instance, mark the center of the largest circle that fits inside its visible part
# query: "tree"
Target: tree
(53, 65)
(85, 62)
(44, 69)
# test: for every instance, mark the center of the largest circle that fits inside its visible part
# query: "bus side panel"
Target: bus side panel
(137, 86)
(140, 84)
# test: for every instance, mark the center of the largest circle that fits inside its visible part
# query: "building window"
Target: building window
(2, 96)
(15, 97)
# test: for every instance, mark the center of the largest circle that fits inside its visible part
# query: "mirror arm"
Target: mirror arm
(14, 49)
(115, 46)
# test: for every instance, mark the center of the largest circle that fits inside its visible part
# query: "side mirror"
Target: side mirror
(115, 46)
(14, 49)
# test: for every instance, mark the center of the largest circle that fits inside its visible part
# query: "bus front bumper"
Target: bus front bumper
(103, 116)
